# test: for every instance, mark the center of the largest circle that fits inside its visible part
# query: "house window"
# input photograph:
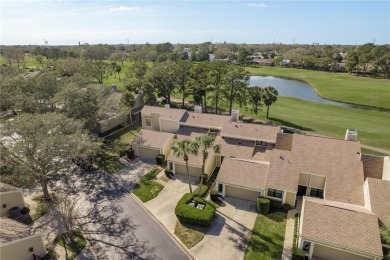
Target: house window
(275, 193)
(148, 122)
(261, 143)
(316, 193)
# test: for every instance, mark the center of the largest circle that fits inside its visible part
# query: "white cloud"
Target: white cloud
(257, 5)
(124, 9)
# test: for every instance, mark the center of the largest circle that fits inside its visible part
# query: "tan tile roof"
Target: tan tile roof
(345, 225)
(380, 198)
(205, 120)
(337, 160)
(284, 141)
(11, 230)
(196, 160)
(168, 113)
(152, 138)
(250, 131)
(232, 148)
(191, 131)
(243, 173)
(372, 166)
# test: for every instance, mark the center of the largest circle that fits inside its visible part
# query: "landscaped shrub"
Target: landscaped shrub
(130, 153)
(192, 215)
(263, 205)
(203, 178)
(286, 207)
(214, 195)
(298, 254)
(25, 210)
(276, 205)
(203, 189)
(168, 172)
(160, 159)
(149, 176)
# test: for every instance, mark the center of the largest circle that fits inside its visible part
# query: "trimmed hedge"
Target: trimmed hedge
(130, 153)
(276, 204)
(286, 207)
(214, 195)
(160, 159)
(203, 189)
(203, 178)
(298, 254)
(263, 205)
(191, 215)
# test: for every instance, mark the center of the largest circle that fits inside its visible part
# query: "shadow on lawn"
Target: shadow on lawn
(289, 124)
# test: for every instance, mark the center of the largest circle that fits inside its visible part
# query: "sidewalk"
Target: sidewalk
(289, 235)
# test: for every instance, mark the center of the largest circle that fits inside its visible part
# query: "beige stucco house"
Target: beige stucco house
(149, 143)
(17, 242)
(242, 178)
(195, 162)
(336, 230)
(316, 166)
(345, 193)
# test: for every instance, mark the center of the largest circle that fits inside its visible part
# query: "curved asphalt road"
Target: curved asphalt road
(151, 232)
(120, 228)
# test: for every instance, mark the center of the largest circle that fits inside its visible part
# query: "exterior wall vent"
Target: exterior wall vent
(235, 115)
(197, 109)
(351, 135)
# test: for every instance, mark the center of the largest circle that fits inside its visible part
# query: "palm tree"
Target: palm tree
(255, 96)
(184, 148)
(204, 143)
(270, 95)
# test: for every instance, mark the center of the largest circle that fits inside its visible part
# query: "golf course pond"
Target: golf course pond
(299, 89)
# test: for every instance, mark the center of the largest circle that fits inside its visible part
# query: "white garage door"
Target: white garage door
(241, 193)
(333, 254)
(148, 152)
(194, 171)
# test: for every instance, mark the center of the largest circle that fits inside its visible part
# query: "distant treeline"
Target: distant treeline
(367, 59)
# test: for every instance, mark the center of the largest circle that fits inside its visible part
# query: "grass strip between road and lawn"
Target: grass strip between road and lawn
(76, 247)
(43, 207)
(146, 188)
(336, 86)
(189, 234)
(267, 238)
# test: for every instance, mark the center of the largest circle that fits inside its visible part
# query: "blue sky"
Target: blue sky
(66, 22)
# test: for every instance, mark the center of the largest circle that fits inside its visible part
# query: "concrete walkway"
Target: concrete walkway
(228, 234)
(289, 235)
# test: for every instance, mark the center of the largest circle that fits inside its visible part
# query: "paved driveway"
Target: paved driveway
(229, 233)
(163, 206)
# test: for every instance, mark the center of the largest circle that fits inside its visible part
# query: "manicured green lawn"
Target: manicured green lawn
(190, 235)
(147, 189)
(337, 86)
(74, 248)
(373, 127)
(267, 238)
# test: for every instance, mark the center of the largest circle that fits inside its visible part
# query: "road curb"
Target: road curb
(139, 202)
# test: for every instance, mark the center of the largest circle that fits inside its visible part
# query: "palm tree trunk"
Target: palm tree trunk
(201, 176)
(189, 177)
(182, 105)
(267, 111)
